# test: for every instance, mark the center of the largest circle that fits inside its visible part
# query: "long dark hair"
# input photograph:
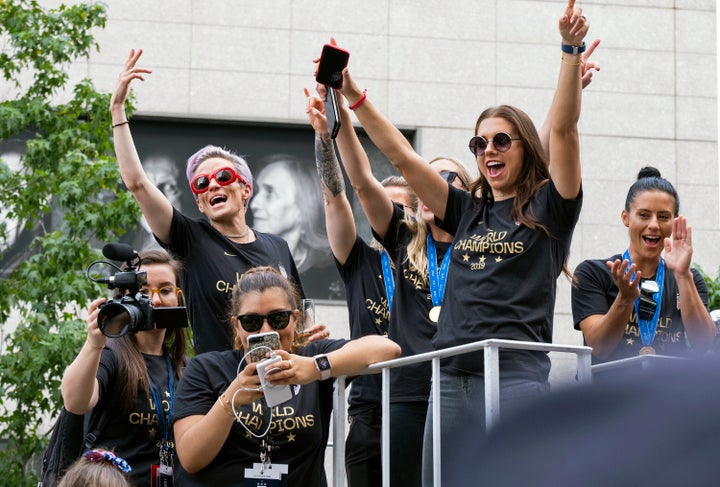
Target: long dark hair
(533, 174)
(132, 368)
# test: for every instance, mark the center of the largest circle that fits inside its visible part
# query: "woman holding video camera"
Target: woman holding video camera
(222, 423)
(130, 379)
(641, 301)
(215, 250)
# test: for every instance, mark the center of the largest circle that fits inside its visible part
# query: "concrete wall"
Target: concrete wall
(434, 65)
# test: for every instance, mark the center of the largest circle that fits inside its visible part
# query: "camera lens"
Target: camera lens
(117, 319)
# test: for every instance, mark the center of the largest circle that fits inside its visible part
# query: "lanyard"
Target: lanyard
(388, 278)
(438, 277)
(648, 327)
(163, 419)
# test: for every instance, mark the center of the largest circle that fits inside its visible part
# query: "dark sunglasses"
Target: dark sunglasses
(277, 320)
(449, 176)
(223, 176)
(502, 141)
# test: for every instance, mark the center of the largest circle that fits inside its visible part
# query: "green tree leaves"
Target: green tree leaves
(67, 195)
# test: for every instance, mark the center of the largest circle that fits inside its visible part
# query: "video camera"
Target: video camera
(131, 311)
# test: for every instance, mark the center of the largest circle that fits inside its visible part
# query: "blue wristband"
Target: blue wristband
(568, 49)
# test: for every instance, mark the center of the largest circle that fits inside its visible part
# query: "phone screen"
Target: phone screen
(170, 317)
(259, 343)
(332, 61)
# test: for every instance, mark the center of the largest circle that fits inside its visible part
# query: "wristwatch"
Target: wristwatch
(323, 365)
(568, 49)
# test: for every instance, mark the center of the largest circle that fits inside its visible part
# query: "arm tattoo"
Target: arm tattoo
(327, 164)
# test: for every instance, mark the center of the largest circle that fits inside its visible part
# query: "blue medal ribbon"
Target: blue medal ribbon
(388, 278)
(164, 420)
(648, 327)
(438, 277)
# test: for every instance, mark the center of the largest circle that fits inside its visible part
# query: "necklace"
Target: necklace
(241, 236)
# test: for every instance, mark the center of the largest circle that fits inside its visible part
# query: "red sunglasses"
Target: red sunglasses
(223, 176)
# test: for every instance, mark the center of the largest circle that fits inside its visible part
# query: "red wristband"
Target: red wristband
(360, 101)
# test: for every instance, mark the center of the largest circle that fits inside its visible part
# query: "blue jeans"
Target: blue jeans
(462, 408)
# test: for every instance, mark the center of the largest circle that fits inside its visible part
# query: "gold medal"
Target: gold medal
(434, 314)
(647, 350)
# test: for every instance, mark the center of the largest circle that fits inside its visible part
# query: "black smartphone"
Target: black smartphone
(332, 113)
(332, 61)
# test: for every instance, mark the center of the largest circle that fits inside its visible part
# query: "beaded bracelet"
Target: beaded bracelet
(120, 123)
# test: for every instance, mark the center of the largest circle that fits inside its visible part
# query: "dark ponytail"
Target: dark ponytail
(649, 179)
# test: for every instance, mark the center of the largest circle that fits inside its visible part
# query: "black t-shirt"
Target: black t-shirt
(502, 279)
(212, 265)
(132, 434)
(368, 315)
(410, 323)
(595, 292)
(298, 432)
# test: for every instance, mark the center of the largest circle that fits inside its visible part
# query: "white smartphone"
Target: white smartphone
(260, 344)
(274, 394)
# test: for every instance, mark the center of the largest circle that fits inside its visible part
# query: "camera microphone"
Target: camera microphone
(119, 251)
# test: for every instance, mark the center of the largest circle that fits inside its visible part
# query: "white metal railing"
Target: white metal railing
(492, 395)
(642, 362)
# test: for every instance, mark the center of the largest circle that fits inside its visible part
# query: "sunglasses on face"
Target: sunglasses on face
(223, 176)
(449, 176)
(277, 320)
(502, 141)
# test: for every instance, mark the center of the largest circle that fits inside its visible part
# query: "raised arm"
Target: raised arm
(79, 386)
(698, 324)
(339, 220)
(377, 205)
(153, 203)
(564, 147)
(429, 186)
(588, 69)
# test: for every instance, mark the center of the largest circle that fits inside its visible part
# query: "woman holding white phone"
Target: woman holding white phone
(224, 429)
